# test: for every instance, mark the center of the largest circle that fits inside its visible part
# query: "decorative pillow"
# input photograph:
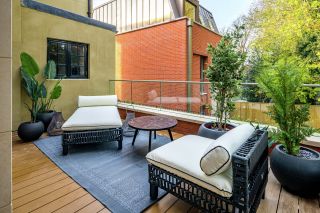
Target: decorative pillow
(103, 100)
(217, 157)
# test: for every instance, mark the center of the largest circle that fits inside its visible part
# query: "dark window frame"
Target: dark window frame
(72, 69)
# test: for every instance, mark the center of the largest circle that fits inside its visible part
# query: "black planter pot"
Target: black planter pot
(297, 175)
(46, 118)
(29, 131)
(206, 131)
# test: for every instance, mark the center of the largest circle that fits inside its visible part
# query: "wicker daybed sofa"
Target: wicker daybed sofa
(224, 175)
(96, 120)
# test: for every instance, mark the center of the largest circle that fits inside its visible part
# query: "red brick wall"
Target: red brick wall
(154, 53)
(201, 37)
(160, 53)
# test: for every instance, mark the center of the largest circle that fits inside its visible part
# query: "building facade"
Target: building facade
(83, 49)
(161, 40)
(5, 109)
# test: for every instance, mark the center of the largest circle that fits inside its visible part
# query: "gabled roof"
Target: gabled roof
(207, 19)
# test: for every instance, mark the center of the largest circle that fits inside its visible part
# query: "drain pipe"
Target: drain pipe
(189, 63)
(89, 8)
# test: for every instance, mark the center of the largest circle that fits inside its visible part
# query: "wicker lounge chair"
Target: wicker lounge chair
(235, 182)
(96, 120)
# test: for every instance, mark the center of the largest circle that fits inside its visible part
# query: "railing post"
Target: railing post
(131, 93)
(189, 97)
(160, 95)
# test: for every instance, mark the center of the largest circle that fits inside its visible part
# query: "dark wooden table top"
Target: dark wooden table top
(151, 123)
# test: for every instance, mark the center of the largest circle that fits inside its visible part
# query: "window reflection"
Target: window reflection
(190, 10)
(132, 14)
(71, 58)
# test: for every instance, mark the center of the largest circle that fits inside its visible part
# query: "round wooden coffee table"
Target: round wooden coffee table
(152, 124)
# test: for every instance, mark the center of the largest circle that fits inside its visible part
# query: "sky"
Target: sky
(224, 11)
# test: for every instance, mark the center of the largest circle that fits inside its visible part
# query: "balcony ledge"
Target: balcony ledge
(313, 141)
(179, 115)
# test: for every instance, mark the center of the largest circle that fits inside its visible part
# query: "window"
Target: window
(71, 58)
(190, 10)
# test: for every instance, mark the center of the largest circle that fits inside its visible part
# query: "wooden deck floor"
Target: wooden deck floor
(40, 186)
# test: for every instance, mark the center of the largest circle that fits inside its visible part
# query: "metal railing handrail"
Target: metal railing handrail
(195, 82)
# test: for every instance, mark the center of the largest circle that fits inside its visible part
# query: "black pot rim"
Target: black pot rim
(50, 111)
(30, 122)
(216, 129)
(296, 157)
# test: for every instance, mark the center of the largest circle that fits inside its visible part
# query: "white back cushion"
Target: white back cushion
(217, 157)
(103, 100)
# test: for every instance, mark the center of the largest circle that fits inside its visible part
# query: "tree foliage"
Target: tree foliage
(252, 93)
(281, 25)
(225, 73)
(289, 28)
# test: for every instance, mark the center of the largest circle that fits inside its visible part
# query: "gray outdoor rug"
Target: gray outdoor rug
(118, 179)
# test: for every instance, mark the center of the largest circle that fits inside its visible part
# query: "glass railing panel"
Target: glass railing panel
(195, 97)
(173, 96)
(143, 92)
(122, 90)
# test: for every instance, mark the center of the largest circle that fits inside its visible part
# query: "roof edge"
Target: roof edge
(66, 14)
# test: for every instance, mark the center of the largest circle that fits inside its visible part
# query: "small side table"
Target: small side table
(152, 124)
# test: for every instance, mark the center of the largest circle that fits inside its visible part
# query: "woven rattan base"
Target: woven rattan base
(91, 136)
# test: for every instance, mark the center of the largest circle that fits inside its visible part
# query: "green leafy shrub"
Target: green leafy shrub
(224, 74)
(282, 82)
(36, 90)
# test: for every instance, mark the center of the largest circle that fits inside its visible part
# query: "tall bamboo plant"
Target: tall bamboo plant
(282, 82)
(224, 74)
(35, 89)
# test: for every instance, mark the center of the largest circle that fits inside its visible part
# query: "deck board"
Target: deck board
(162, 205)
(62, 201)
(37, 179)
(37, 186)
(77, 204)
(41, 192)
(93, 207)
(288, 203)
(47, 198)
(40, 186)
(308, 205)
(271, 195)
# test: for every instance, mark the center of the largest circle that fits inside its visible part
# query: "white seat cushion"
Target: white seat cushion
(217, 156)
(182, 157)
(91, 118)
(102, 100)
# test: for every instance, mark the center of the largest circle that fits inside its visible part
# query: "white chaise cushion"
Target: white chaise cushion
(92, 118)
(103, 100)
(182, 157)
(217, 156)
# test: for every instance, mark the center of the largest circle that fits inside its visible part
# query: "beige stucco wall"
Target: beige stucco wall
(76, 6)
(30, 32)
(5, 106)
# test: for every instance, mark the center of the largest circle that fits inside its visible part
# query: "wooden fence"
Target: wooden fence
(257, 112)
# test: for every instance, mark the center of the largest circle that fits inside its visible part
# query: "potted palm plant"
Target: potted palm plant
(41, 102)
(46, 112)
(297, 168)
(224, 74)
(33, 129)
